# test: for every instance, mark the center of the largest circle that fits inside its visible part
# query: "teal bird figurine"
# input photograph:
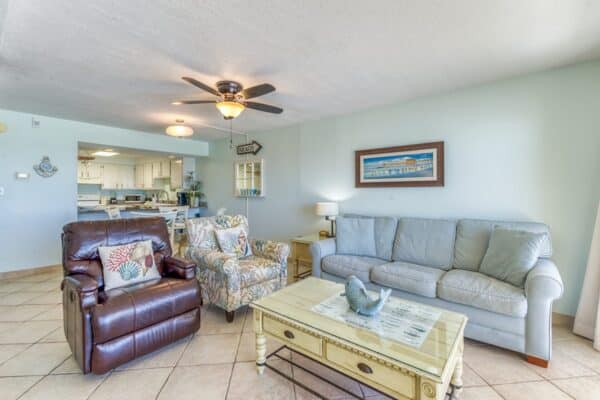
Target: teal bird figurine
(359, 300)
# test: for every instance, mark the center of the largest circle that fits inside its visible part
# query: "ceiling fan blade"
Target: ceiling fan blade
(201, 85)
(179, 102)
(258, 90)
(263, 107)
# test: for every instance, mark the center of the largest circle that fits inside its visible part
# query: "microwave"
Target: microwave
(134, 198)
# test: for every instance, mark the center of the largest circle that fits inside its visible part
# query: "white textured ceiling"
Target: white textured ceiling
(119, 62)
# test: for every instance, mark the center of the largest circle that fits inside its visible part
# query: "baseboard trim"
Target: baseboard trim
(563, 320)
(29, 272)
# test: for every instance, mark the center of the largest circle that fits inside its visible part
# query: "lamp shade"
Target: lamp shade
(327, 209)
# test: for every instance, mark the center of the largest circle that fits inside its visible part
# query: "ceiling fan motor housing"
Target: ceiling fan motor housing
(229, 87)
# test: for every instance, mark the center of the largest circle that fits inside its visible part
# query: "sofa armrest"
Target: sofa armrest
(179, 268)
(82, 288)
(319, 250)
(544, 281)
(543, 285)
(276, 251)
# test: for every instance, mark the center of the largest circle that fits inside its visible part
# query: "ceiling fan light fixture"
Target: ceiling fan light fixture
(179, 130)
(230, 109)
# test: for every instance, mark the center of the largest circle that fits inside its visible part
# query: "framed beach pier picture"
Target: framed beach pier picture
(412, 165)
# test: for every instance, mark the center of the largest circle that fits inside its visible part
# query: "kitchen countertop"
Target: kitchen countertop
(145, 206)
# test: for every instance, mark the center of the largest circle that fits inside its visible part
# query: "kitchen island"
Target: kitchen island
(129, 210)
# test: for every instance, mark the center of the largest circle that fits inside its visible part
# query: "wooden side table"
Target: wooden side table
(301, 254)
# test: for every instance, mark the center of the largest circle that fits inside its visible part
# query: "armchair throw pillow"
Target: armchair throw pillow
(127, 264)
(511, 254)
(233, 241)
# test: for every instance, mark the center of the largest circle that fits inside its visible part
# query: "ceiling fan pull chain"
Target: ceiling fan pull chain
(231, 133)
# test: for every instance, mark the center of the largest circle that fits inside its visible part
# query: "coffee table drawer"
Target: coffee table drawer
(292, 335)
(389, 377)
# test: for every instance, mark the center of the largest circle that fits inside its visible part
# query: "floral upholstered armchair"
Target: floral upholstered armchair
(230, 281)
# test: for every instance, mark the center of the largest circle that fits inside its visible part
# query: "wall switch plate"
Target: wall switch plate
(35, 123)
(1, 191)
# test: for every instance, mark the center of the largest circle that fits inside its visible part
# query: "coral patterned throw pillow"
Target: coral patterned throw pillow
(127, 264)
(234, 241)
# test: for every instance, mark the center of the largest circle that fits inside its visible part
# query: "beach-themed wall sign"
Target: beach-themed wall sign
(412, 165)
(248, 148)
(45, 168)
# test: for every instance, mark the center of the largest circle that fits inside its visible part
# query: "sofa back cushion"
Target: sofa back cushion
(385, 231)
(425, 241)
(473, 236)
(355, 236)
(511, 254)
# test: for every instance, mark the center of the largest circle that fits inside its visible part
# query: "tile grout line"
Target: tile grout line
(108, 375)
(174, 366)
(236, 355)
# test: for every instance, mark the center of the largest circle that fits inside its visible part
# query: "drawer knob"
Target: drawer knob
(364, 368)
(288, 334)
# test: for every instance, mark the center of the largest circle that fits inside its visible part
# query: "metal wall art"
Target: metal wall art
(45, 168)
(249, 148)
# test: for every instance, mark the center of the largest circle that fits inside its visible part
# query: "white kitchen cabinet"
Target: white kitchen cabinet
(89, 173)
(155, 169)
(118, 176)
(161, 169)
(126, 178)
(165, 169)
(139, 176)
(148, 178)
(176, 174)
(109, 178)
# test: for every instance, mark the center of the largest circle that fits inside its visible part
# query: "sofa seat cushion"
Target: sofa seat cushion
(482, 291)
(127, 309)
(344, 266)
(412, 278)
(253, 270)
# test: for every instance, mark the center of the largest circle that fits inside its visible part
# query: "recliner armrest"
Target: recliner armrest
(84, 287)
(176, 267)
(318, 250)
(544, 281)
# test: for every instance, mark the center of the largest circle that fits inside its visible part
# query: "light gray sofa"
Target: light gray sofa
(435, 262)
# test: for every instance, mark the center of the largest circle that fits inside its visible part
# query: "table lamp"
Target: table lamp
(329, 210)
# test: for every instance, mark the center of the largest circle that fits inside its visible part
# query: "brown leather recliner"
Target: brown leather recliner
(108, 328)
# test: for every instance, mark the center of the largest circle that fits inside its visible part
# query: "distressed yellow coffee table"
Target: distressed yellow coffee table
(422, 370)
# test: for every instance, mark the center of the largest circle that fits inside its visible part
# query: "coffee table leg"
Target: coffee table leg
(261, 352)
(457, 381)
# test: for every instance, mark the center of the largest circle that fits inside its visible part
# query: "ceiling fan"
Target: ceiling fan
(233, 97)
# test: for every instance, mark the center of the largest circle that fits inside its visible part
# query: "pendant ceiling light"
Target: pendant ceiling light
(230, 109)
(179, 130)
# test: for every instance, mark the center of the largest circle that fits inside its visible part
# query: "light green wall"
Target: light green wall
(33, 212)
(520, 149)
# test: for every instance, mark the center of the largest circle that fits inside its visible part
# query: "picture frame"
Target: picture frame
(414, 165)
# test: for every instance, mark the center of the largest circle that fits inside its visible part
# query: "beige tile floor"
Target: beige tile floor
(217, 362)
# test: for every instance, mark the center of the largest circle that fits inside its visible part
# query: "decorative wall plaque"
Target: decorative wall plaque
(45, 168)
(248, 148)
